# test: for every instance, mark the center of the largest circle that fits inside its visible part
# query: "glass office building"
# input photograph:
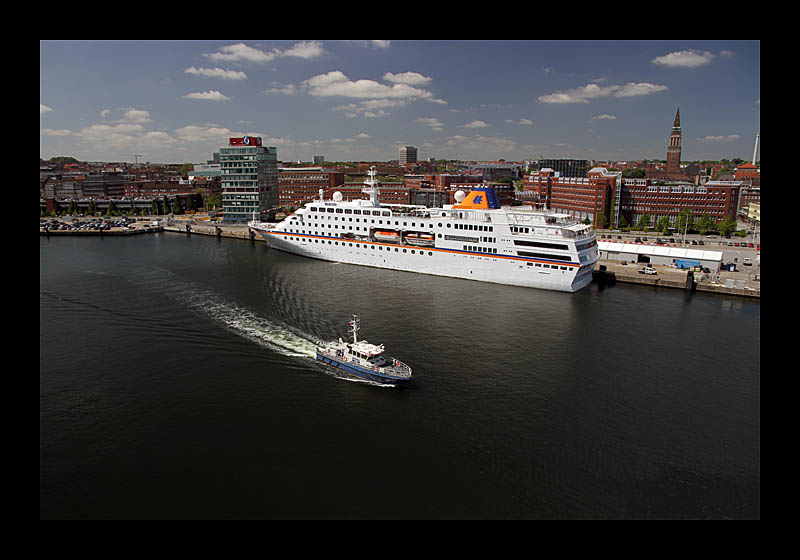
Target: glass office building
(249, 174)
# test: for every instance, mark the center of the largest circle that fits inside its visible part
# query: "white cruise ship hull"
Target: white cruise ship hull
(495, 268)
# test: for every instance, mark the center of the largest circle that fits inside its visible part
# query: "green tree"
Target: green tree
(623, 223)
(110, 209)
(705, 224)
(685, 221)
(663, 224)
(644, 222)
(727, 226)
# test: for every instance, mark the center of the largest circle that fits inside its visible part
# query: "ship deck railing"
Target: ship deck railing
(395, 368)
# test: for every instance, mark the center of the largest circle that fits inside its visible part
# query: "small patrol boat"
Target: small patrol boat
(363, 359)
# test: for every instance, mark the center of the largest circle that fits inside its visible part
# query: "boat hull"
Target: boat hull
(455, 264)
(362, 372)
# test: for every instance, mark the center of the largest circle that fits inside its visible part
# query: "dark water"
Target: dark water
(176, 382)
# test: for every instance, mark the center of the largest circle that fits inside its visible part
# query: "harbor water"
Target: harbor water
(177, 380)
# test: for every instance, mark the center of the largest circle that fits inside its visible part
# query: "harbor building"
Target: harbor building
(249, 173)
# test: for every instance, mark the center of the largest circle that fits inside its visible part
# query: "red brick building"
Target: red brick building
(296, 186)
(660, 198)
(580, 197)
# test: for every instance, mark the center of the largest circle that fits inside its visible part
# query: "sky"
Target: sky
(361, 100)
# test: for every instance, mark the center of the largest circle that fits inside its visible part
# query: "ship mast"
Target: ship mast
(353, 328)
(371, 187)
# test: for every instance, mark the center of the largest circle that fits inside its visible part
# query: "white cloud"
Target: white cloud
(370, 107)
(288, 89)
(474, 124)
(410, 78)
(197, 133)
(212, 95)
(133, 115)
(584, 94)
(728, 138)
(241, 52)
(105, 113)
(335, 83)
(44, 109)
(432, 122)
(217, 73)
(305, 49)
(604, 117)
(59, 132)
(363, 135)
(381, 44)
(686, 59)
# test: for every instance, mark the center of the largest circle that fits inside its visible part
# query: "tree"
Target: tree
(644, 222)
(623, 223)
(727, 225)
(663, 224)
(705, 224)
(685, 220)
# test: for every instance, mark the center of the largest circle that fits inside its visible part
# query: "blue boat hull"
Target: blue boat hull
(362, 372)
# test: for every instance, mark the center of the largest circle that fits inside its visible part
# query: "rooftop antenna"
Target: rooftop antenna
(136, 158)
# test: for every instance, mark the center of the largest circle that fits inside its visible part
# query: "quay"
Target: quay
(217, 230)
(607, 271)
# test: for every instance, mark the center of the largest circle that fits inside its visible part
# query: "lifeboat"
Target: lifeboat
(383, 235)
(419, 239)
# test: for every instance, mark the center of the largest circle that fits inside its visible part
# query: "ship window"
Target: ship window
(448, 225)
(339, 210)
(356, 211)
(430, 254)
(348, 211)
(412, 251)
(329, 209)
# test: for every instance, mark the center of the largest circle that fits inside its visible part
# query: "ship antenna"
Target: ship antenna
(354, 328)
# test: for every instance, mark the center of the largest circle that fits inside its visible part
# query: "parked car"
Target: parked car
(747, 262)
(648, 270)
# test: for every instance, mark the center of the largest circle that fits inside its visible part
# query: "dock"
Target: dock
(216, 230)
(609, 272)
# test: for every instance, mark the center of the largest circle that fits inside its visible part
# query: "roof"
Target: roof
(660, 251)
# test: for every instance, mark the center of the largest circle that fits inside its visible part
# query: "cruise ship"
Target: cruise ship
(474, 239)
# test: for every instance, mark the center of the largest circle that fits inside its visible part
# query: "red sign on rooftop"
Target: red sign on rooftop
(245, 141)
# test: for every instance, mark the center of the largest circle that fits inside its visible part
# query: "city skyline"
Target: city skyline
(179, 101)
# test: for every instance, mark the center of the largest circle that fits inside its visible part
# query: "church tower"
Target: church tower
(674, 148)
